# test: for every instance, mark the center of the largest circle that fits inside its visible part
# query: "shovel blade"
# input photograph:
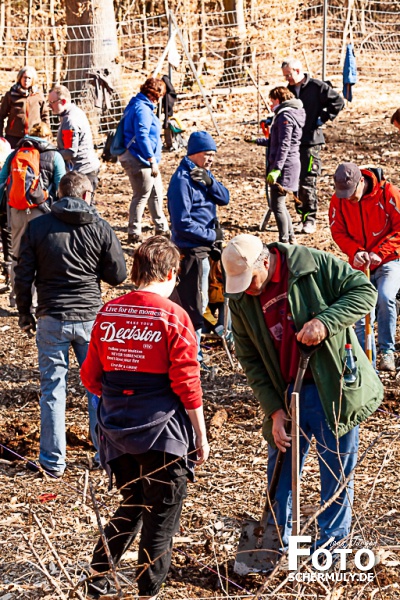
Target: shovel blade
(257, 553)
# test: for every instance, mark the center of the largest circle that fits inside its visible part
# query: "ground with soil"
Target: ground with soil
(49, 527)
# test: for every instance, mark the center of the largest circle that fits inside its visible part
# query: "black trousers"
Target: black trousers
(153, 502)
(189, 288)
(310, 169)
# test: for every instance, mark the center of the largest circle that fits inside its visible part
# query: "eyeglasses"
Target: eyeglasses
(53, 102)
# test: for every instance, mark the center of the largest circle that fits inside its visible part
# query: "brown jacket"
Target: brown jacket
(22, 109)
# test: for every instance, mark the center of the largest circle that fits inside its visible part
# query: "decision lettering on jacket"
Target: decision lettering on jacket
(112, 334)
(130, 333)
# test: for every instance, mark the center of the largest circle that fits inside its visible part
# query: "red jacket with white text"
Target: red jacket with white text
(143, 333)
(372, 224)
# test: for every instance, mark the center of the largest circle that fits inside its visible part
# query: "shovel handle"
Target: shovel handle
(305, 354)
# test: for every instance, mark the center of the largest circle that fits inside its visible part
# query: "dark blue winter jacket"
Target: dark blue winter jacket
(284, 142)
(143, 127)
(193, 207)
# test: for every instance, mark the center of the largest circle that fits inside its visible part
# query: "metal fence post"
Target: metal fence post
(324, 33)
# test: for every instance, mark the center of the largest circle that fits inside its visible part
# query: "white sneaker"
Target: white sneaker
(309, 227)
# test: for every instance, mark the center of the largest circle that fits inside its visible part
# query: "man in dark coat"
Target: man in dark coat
(321, 104)
(66, 253)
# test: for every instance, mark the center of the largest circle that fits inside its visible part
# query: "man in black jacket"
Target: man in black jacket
(321, 103)
(66, 253)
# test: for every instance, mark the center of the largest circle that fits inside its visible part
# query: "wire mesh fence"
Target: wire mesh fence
(225, 47)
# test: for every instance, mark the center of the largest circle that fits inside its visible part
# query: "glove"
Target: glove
(319, 122)
(273, 176)
(27, 323)
(250, 140)
(154, 169)
(200, 175)
(219, 234)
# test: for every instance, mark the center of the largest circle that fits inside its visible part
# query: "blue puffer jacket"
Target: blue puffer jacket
(193, 207)
(284, 142)
(144, 127)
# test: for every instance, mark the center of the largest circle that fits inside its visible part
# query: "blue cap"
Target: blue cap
(200, 141)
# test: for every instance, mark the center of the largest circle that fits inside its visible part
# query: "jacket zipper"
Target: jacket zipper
(362, 225)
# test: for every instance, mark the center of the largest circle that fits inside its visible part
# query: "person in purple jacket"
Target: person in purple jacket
(284, 156)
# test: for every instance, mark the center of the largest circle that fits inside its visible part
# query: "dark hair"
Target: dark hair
(153, 88)
(74, 185)
(153, 260)
(395, 117)
(281, 93)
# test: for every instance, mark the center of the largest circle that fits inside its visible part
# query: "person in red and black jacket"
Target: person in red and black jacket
(142, 362)
(364, 217)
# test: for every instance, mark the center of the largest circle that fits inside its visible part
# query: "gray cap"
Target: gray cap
(347, 177)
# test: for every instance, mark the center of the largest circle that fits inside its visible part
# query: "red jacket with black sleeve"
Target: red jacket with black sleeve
(372, 224)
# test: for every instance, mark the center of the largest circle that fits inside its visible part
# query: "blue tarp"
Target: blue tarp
(349, 73)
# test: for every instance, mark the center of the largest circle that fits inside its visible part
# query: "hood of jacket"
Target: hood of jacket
(39, 143)
(294, 109)
(74, 211)
(376, 185)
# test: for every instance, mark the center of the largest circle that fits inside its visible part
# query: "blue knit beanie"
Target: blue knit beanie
(200, 141)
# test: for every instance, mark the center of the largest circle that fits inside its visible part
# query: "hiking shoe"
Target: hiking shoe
(33, 466)
(387, 362)
(134, 238)
(97, 587)
(309, 227)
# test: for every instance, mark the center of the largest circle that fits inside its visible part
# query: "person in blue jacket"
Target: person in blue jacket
(193, 197)
(142, 136)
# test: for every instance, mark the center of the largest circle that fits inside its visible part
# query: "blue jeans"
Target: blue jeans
(53, 339)
(334, 466)
(386, 279)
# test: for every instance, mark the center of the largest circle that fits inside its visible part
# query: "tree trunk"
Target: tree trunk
(237, 53)
(91, 41)
(92, 45)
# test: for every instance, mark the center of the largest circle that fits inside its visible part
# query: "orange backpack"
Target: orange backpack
(24, 188)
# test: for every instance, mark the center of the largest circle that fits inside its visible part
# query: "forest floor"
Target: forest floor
(49, 528)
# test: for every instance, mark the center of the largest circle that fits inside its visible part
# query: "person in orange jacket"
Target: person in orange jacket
(364, 217)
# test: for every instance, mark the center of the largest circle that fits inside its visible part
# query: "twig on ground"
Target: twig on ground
(43, 569)
(55, 554)
(105, 543)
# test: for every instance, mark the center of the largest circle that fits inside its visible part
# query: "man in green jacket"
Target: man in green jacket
(279, 294)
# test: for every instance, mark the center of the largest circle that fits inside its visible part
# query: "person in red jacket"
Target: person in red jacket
(142, 361)
(364, 217)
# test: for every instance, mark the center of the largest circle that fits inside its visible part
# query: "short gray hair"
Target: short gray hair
(292, 63)
(62, 92)
(259, 263)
